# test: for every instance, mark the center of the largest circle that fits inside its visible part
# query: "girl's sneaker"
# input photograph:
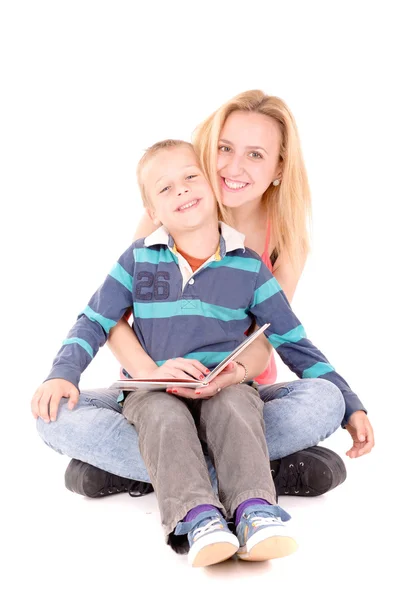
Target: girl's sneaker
(262, 534)
(210, 539)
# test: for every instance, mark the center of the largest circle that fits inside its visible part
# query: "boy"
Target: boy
(199, 313)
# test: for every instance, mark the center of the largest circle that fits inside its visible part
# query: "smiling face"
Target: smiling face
(180, 195)
(248, 157)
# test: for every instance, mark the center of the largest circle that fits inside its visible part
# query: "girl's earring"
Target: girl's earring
(276, 182)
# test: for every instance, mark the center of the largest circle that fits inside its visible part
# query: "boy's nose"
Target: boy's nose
(182, 190)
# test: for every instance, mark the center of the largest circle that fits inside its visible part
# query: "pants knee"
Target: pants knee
(61, 431)
(331, 402)
(49, 433)
(159, 414)
(233, 401)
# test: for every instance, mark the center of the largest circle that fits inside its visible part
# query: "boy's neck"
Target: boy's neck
(199, 243)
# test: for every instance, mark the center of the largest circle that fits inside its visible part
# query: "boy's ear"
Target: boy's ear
(153, 217)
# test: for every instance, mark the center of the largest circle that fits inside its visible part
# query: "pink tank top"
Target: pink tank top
(270, 373)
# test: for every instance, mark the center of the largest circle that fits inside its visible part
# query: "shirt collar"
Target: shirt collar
(159, 236)
(233, 239)
(230, 239)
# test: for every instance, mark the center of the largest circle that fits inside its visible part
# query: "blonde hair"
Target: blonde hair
(147, 156)
(288, 205)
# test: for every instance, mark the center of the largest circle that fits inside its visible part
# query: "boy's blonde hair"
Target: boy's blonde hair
(147, 156)
(288, 205)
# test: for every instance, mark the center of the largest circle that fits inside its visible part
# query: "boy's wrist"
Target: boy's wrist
(67, 373)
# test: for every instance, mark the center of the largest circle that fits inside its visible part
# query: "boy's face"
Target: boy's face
(180, 194)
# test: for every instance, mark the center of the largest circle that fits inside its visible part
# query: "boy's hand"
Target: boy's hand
(47, 397)
(362, 433)
(180, 368)
(231, 375)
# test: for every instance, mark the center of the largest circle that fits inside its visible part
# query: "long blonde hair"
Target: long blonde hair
(288, 206)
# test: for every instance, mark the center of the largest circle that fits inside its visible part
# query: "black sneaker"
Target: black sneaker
(90, 481)
(310, 472)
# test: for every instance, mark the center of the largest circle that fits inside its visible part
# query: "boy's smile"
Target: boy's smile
(188, 205)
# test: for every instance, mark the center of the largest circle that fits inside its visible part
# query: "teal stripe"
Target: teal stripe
(317, 370)
(294, 335)
(237, 262)
(206, 358)
(94, 316)
(165, 310)
(119, 273)
(153, 256)
(81, 342)
(266, 290)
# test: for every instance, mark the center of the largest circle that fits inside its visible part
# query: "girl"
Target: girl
(250, 151)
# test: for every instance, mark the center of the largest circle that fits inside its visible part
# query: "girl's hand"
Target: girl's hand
(232, 374)
(362, 434)
(47, 397)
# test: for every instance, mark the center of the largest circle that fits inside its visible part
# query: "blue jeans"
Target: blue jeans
(297, 415)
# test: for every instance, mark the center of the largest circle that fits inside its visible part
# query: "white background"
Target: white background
(85, 88)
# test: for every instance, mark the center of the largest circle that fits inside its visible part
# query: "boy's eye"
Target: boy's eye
(191, 176)
(165, 189)
(224, 148)
(255, 154)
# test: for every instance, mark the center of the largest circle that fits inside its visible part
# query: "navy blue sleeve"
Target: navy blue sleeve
(288, 337)
(91, 330)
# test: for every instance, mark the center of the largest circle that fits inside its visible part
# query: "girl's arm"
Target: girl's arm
(126, 348)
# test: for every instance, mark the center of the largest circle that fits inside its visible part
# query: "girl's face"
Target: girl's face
(248, 157)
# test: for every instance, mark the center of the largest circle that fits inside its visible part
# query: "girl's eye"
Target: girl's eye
(191, 176)
(224, 148)
(255, 155)
(165, 189)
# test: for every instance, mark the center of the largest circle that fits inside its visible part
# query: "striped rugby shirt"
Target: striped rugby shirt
(201, 315)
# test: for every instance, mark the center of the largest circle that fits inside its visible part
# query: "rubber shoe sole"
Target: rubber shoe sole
(212, 549)
(267, 545)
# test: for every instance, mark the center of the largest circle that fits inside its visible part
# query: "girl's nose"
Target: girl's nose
(235, 166)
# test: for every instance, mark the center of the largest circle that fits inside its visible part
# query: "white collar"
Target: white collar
(159, 236)
(231, 238)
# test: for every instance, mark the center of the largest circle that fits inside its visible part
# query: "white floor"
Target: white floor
(61, 545)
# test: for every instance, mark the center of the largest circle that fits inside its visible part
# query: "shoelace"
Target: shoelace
(140, 488)
(295, 480)
(207, 528)
(114, 485)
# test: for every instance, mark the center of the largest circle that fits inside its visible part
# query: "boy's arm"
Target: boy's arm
(288, 337)
(92, 328)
